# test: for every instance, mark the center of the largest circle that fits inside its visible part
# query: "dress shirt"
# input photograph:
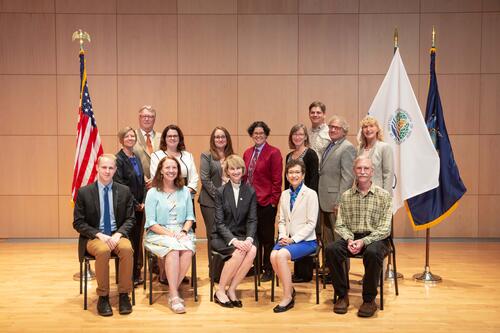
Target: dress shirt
(319, 139)
(369, 213)
(100, 186)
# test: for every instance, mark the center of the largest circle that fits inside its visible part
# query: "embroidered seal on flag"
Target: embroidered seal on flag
(400, 126)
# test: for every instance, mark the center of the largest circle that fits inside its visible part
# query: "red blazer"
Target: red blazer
(267, 176)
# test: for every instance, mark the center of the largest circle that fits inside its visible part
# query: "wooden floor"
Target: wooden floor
(38, 293)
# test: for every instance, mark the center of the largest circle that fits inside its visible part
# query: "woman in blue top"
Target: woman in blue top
(169, 218)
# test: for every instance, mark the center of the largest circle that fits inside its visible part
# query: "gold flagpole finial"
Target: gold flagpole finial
(396, 39)
(433, 37)
(81, 36)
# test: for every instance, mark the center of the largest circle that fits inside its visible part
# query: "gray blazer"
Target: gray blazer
(141, 151)
(211, 179)
(383, 165)
(336, 174)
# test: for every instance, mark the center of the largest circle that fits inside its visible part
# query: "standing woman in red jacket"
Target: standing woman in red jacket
(265, 167)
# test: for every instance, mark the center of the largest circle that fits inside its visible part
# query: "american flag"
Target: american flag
(88, 142)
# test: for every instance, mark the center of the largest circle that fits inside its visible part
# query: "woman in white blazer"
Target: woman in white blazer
(372, 145)
(297, 222)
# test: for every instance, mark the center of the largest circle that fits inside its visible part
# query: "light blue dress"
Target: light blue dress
(171, 211)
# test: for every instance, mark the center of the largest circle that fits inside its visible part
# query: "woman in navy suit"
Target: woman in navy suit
(234, 231)
(129, 172)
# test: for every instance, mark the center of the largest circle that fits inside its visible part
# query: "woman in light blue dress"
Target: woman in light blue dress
(169, 221)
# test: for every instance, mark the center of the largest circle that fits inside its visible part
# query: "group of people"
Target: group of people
(334, 194)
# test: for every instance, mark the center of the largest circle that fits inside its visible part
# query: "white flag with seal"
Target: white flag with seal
(416, 162)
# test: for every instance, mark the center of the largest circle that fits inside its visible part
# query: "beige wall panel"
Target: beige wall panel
(66, 159)
(458, 43)
(147, 7)
(27, 6)
(376, 41)
(339, 93)
(147, 44)
(272, 99)
(207, 44)
(278, 141)
(206, 102)
(103, 92)
(463, 222)
(488, 216)
(100, 54)
(328, 44)
(32, 167)
(389, 6)
(267, 44)
(87, 6)
(28, 97)
(27, 42)
(490, 45)
(66, 218)
(460, 95)
(29, 216)
(466, 152)
(369, 86)
(490, 104)
(136, 91)
(328, 6)
(433, 6)
(491, 5)
(267, 7)
(489, 160)
(207, 6)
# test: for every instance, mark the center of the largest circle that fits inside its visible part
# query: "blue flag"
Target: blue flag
(430, 208)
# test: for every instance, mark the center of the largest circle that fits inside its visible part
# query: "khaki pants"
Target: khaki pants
(102, 253)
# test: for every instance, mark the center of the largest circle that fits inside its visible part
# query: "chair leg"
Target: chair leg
(145, 268)
(255, 277)
(81, 277)
(394, 267)
(346, 272)
(117, 269)
(150, 260)
(133, 290)
(212, 273)
(382, 289)
(87, 268)
(317, 279)
(194, 278)
(259, 257)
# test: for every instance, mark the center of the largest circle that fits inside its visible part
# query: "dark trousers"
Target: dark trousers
(266, 216)
(373, 258)
(136, 240)
(303, 268)
(209, 218)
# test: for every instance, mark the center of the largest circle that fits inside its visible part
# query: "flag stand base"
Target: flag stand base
(427, 277)
(90, 275)
(389, 273)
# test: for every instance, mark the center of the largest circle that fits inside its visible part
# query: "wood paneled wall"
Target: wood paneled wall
(203, 63)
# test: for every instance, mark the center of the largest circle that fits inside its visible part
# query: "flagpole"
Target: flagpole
(426, 276)
(82, 36)
(389, 272)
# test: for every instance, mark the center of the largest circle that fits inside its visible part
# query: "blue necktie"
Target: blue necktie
(107, 214)
(327, 150)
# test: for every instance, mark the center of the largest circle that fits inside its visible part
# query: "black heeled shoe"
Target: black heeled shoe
(278, 308)
(227, 304)
(236, 303)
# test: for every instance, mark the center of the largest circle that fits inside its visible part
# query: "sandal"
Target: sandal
(176, 305)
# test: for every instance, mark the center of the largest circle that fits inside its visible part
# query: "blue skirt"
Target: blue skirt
(300, 249)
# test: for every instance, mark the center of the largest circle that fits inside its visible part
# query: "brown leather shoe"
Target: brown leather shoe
(367, 309)
(340, 307)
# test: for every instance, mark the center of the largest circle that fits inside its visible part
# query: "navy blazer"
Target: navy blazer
(125, 174)
(231, 221)
(87, 213)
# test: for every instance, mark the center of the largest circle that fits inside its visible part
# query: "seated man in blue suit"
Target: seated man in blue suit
(104, 217)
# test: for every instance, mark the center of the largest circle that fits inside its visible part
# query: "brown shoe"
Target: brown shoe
(341, 305)
(367, 309)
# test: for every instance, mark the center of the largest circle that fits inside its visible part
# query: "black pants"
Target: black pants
(136, 240)
(303, 268)
(266, 216)
(209, 218)
(373, 258)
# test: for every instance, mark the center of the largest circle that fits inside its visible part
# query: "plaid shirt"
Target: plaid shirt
(370, 213)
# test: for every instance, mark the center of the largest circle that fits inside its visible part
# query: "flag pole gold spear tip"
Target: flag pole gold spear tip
(396, 38)
(433, 37)
(81, 36)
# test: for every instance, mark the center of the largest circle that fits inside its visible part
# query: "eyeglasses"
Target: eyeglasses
(219, 137)
(294, 172)
(299, 134)
(337, 128)
(147, 117)
(172, 136)
(259, 133)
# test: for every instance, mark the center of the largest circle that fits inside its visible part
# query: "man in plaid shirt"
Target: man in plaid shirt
(363, 224)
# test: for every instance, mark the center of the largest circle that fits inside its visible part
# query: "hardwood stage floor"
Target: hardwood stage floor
(38, 294)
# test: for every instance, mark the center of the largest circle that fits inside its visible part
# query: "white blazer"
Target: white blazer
(188, 168)
(300, 223)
